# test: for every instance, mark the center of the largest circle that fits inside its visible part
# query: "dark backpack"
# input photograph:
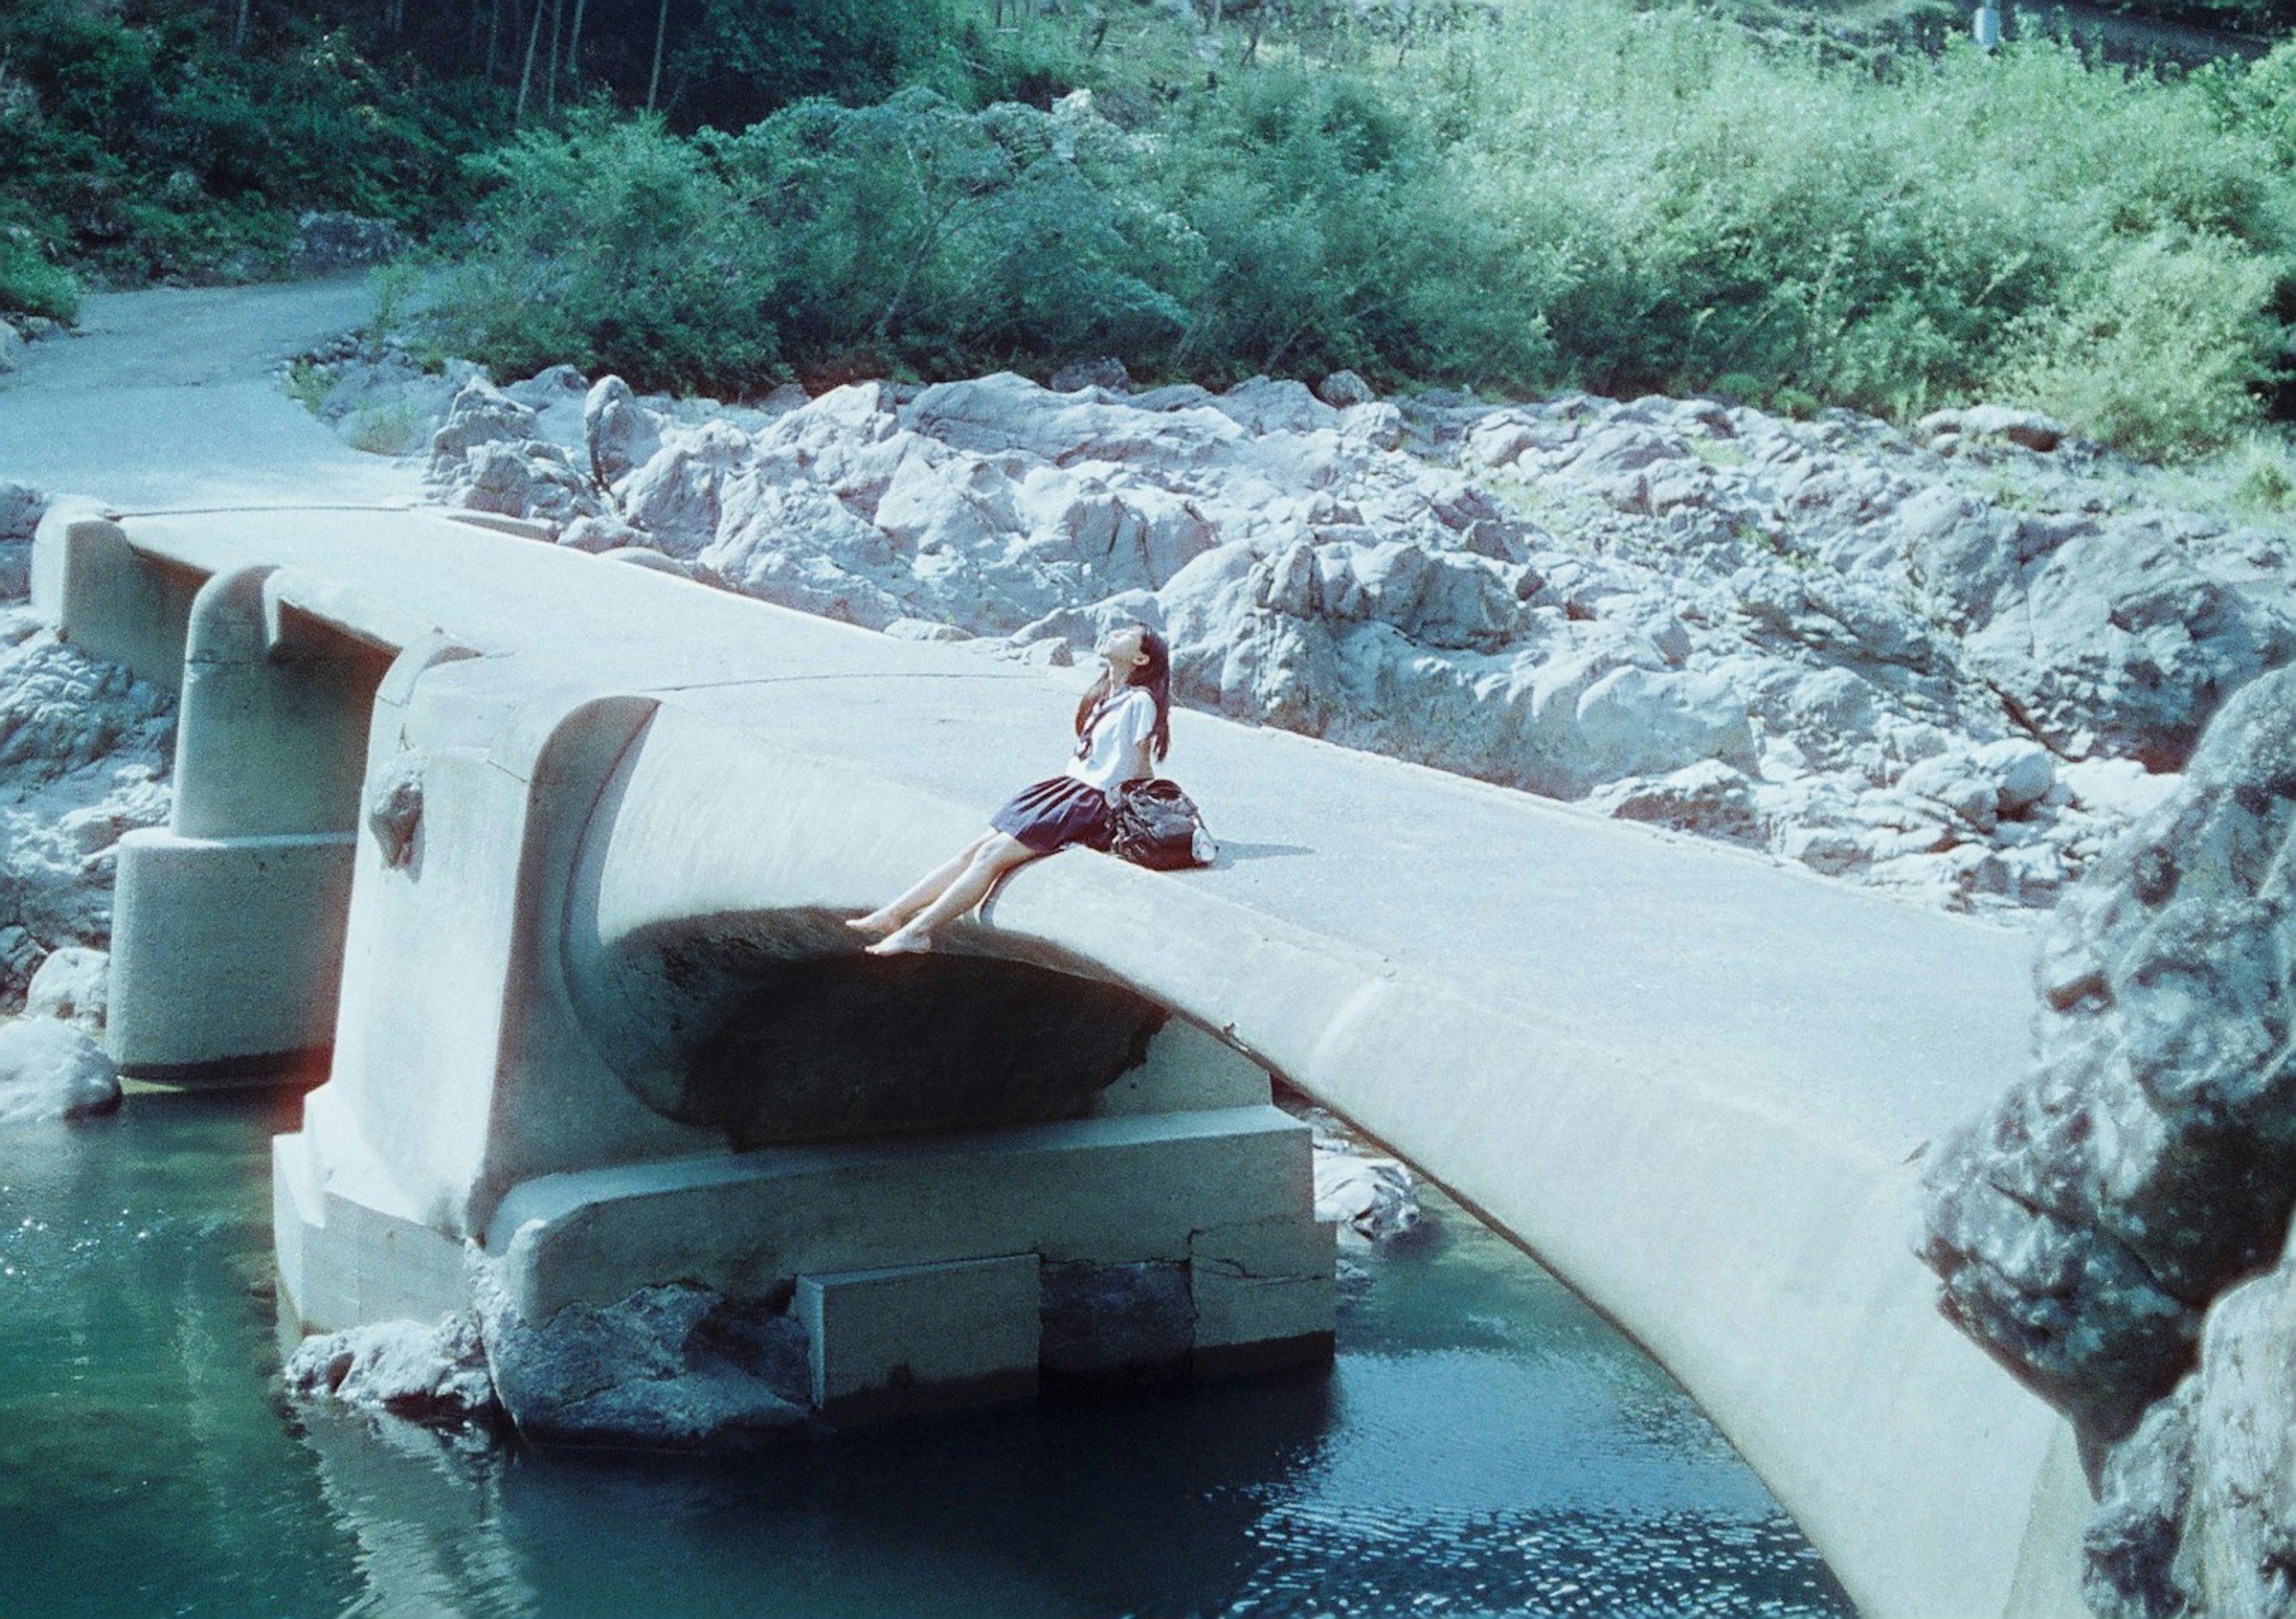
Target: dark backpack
(1153, 823)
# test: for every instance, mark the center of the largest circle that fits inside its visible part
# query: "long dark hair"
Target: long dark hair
(1155, 672)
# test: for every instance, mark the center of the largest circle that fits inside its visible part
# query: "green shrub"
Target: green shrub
(2155, 348)
(1327, 224)
(2263, 473)
(914, 233)
(31, 285)
(615, 246)
(141, 144)
(1621, 197)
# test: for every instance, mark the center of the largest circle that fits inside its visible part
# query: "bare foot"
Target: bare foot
(877, 923)
(903, 942)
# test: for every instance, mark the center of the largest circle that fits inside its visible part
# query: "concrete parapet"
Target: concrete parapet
(226, 951)
(105, 597)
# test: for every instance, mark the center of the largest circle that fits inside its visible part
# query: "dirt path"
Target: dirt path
(168, 397)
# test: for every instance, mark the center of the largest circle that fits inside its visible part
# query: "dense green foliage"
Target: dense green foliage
(1614, 198)
(1619, 194)
(137, 146)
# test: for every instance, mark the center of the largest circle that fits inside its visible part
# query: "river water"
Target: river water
(1482, 1445)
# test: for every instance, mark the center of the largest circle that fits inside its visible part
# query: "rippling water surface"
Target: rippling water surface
(1483, 1445)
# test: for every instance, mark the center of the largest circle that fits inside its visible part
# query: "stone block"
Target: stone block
(1113, 1190)
(226, 952)
(909, 1338)
(1263, 1294)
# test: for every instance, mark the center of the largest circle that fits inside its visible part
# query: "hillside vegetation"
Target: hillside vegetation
(1511, 198)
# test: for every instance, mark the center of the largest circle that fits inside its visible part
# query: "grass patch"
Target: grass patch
(309, 384)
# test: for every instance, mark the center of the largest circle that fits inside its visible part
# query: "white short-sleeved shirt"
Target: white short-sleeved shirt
(1111, 752)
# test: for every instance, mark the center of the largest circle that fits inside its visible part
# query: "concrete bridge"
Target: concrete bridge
(549, 852)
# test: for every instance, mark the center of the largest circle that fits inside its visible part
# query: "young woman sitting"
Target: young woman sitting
(1123, 728)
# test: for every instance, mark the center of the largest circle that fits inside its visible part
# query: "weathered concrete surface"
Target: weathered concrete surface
(1695, 1085)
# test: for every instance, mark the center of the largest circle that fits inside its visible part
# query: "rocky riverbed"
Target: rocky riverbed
(1952, 663)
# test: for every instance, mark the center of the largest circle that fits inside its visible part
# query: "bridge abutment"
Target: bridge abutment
(1055, 1160)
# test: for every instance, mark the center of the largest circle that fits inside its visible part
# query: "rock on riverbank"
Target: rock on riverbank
(2093, 1228)
(1953, 665)
(50, 1070)
(85, 752)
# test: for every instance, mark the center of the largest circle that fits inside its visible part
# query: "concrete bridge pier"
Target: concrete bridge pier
(951, 1175)
(228, 923)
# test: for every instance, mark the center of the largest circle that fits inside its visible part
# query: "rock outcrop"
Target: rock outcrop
(2198, 1515)
(2149, 1161)
(1907, 658)
(2102, 1228)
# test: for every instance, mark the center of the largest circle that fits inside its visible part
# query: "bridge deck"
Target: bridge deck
(1696, 1084)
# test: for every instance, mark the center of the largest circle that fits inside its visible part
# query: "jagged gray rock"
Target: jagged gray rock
(1106, 372)
(1344, 389)
(22, 507)
(622, 434)
(2083, 1225)
(84, 751)
(488, 455)
(674, 1365)
(327, 242)
(2198, 1509)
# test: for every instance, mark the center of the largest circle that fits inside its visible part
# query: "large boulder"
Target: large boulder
(621, 434)
(489, 454)
(2083, 1225)
(2198, 1507)
(2119, 638)
(327, 242)
(71, 986)
(50, 1070)
(676, 1365)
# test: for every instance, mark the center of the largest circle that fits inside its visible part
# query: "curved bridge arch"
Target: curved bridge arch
(1692, 1084)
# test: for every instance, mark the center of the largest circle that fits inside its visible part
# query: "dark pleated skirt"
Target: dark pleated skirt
(1052, 814)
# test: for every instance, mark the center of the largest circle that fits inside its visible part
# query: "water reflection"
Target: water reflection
(1482, 1445)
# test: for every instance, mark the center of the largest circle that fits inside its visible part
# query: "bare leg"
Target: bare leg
(928, 888)
(990, 862)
